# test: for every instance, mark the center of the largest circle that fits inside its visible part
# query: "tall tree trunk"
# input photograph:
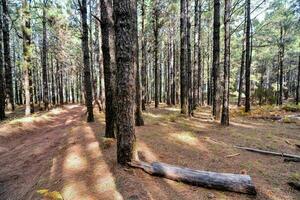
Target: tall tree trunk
(183, 57)
(174, 72)
(26, 30)
(53, 81)
(225, 106)
(144, 62)
(109, 64)
(98, 91)
(248, 59)
(195, 56)
(189, 62)
(60, 82)
(15, 73)
(281, 55)
(208, 83)
(199, 58)
(216, 61)
(242, 70)
(139, 121)
(7, 61)
(86, 63)
(124, 13)
(2, 90)
(156, 65)
(44, 60)
(298, 82)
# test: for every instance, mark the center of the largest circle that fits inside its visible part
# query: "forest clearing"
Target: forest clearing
(149, 99)
(61, 152)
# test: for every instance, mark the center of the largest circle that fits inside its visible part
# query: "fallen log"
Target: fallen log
(221, 181)
(269, 152)
(291, 160)
(295, 185)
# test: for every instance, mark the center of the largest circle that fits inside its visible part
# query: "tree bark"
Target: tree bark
(199, 58)
(183, 57)
(196, 58)
(2, 88)
(156, 43)
(189, 62)
(222, 181)
(86, 63)
(248, 59)
(139, 121)
(26, 29)
(298, 82)
(7, 60)
(144, 62)
(124, 15)
(225, 106)
(44, 60)
(241, 76)
(53, 81)
(281, 55)
(174, 74)
(109, 65)
(216, 61)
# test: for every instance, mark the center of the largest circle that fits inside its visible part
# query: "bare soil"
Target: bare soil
(60, 152)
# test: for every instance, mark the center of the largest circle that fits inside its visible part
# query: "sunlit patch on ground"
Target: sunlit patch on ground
(173, 109)
(105, 183)
(152, 115)
(75, 160)
(75, 190)
(187, 138)
(56, 111)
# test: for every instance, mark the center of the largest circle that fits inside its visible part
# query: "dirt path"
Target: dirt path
(60, 152)
(27, 147)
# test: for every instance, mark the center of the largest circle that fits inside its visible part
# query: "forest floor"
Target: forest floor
(57, 154)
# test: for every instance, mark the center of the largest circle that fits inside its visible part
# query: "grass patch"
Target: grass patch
(295, 177)
(291, 108)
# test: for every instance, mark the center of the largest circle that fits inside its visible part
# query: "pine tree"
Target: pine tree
(124, 13)
(225, 106)
(248, 61)
(7, 58)
(86, 62)
(109, 65)
(2, 90)
(183, 57)
(216, 100)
